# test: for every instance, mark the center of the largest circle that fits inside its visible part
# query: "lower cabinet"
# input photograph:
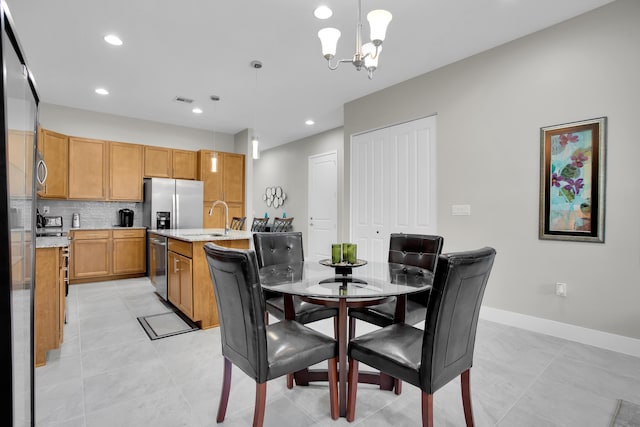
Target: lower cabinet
(189, 280)
(180, 276)
(49, 303)
(107, 254)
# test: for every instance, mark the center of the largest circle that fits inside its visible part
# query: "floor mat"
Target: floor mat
(165, 325)
(627, 415)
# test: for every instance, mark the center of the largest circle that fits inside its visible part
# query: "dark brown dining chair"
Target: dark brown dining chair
(417, 250)
(259, 224)
(237, 222)
(282, 224)
(261, 351)
(286, 248)
(431, 358)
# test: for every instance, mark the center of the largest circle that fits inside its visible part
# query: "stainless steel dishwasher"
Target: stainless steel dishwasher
(157, 270)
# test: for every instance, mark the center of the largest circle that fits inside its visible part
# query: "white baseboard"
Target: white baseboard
(619, 343)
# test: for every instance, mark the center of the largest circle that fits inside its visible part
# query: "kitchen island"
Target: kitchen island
(189, 286)
(49, 295)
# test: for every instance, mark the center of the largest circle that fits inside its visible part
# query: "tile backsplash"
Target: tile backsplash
(92, 214)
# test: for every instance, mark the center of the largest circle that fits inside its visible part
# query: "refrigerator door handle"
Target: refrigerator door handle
(176, 209)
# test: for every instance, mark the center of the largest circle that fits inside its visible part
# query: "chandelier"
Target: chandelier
(366, 55)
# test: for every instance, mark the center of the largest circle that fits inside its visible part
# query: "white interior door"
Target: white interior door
(322, 205)
(393, 188)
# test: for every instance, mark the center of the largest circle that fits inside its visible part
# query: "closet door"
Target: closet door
(392, 185)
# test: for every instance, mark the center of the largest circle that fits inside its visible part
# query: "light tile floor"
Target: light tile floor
(108, 373)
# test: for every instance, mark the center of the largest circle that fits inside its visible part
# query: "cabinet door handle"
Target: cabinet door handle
(175, 265)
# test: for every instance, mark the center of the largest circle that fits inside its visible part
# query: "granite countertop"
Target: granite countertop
(109, 227)
(203, 234)
(52, 242)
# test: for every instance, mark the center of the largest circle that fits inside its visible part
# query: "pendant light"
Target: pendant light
(214, 154)
(255, 143)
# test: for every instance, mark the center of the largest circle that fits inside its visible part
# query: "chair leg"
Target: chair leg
(352, 328)
(333, 387)
(397, 386)
(335, 327)
(466, 397)
(289, 381)
(226, 387)
(353, 389)
(261, 400)
(427, 410)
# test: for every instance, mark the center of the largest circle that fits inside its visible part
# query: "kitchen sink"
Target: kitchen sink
(204, 235)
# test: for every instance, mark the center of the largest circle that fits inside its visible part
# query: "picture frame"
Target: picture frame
(572, 181)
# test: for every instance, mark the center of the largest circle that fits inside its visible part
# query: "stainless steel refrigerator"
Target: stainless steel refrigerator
(177, 203)
(19, 117)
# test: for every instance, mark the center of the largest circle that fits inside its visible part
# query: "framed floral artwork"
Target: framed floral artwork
(572, 181)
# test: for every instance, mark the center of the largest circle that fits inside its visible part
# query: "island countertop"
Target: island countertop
(203, 234)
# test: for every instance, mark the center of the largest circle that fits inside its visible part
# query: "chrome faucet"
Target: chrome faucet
(226, 214)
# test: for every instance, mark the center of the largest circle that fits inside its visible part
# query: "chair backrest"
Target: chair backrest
(418, 250)
(259, 224)
(452, 315)
(278, 248)
(281, 224)
(237, 222)
(241, 308)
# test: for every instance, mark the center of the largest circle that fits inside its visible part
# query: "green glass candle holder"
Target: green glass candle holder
(344, 251)
(336, 253)
(352, 253)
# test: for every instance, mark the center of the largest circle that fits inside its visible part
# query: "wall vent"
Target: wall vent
(183, 99)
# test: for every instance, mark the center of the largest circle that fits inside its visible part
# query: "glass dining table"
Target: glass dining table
(333, 285)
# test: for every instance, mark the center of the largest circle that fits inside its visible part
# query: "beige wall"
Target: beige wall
(287, 166)
(490, 110)
(89, 124)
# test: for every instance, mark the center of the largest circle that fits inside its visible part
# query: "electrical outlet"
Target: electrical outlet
(561, 289)
(45, 209)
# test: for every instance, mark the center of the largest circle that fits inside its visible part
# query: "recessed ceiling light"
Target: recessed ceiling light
(113, 39)
(102, 91)
(309, 122)
(322, 12)
(197, 110)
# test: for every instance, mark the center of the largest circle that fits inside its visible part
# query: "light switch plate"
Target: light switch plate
(460, 209)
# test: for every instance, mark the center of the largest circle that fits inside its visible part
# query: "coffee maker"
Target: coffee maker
(126, 217)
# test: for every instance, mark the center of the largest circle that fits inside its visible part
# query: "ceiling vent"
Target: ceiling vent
(183, 99)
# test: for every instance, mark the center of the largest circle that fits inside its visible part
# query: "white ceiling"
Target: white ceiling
(197, 48)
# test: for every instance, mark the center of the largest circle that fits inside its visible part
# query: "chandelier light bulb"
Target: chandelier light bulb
(378, 22)
(371, 54)
(329, 40)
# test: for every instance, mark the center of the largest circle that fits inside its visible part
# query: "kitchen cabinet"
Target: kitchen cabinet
(179, 276)
(158, 162)
(189, 280)
(107, 254)
(184, 164)
(90, 254)
(19, 158)
(128, 253)
(125, 171)
(54, 149)
(226, 184)
(49, 303)
(88, 160)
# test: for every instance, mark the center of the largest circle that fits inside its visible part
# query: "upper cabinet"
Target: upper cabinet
(227, 184)
(87, 169)
(157, 162)
(185, 164)
(54, 148)
(125, 171)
